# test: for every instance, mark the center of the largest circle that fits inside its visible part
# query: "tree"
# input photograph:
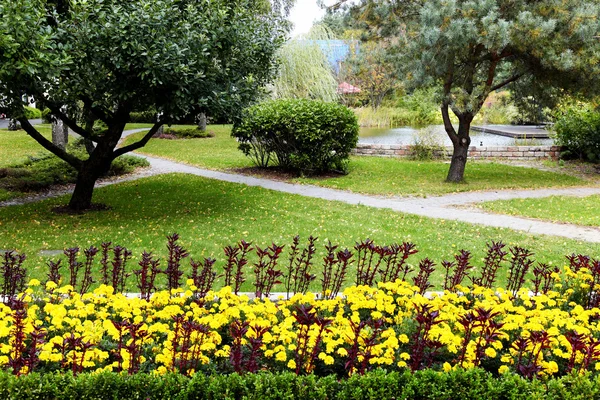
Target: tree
(113, 57)
(304, 70)
(468, 49)
(371, 69)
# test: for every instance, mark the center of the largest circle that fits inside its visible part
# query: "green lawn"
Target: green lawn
(219, 152)
(372, 175)
(573, 210)
(16, 146)
(210, 214)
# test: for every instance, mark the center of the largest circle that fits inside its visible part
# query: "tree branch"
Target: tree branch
(48, 145)
(96, 111)
(506, 82)
(139, 144)
(71, 123)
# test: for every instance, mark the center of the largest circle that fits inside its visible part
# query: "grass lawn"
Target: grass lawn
(16, 146)
(572, 210)
(371, 175)
(210, 214)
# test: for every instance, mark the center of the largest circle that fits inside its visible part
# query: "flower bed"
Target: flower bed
(394, 327)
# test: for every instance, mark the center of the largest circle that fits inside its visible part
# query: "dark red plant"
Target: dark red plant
(480, 325)
(88, 280)
(423, 349)
(203, 279)
(368, 259)
(13, 275)
(54, 271)
(578, 261)
(492, 263)
(176, 254)
(528, 353)
(335, 268)
(306, 317)
(266, 275)
(146, 275)
(457, 270)
(104, 263)
(300, 274)
(397, 267)
(118, 272)
(542, 278)
(237, 259)
(74, 265)
(374, 329)
(188, 339)
(426, 268)
(519, 266)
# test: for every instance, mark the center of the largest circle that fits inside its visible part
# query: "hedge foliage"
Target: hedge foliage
(304, 136)
(376, 385)
(578, 129)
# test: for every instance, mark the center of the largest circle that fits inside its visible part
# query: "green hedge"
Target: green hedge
(304, 136)
(578, 129)
(377, 385)
(32, 113)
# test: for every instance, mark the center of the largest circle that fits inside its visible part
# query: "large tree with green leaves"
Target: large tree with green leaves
(110, 57)
(470, 48)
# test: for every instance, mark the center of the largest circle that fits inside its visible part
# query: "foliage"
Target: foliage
(187, 133)
(376, 385)
(577, 128)
(44, 170)
(148, 117)
(305, 136)
(304, 71)
(426, 145)
(184, 56)
(468, 50)
(32, 113)
(370, 69)
(534, 328)
(499, 108)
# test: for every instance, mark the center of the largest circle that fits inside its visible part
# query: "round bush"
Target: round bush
(578, 129)
(304, 136)
(32, 113)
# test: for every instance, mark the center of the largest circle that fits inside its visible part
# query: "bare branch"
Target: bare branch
(48, 145)
(71, 123)
(139, 144)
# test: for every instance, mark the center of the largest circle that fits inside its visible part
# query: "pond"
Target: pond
(406, 135)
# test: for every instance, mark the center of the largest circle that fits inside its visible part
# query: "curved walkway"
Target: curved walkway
(442, 207)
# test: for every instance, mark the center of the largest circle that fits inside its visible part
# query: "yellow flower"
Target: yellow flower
(447, 367)
(291, 364)
(503, 369)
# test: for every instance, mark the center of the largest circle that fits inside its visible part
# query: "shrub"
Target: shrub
(32, 113)
(44, 170)
(426, 145)
(578, 129)
(304, 136)
(46, 116)
(188, 133)
(143, 117)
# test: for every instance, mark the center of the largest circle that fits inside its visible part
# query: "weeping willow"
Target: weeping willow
(304, 71)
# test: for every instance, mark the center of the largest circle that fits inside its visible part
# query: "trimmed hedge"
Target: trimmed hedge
(32, 113)
(377, 385)
(304, 136)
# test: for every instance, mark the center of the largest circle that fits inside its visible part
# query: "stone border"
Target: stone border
(516, 153)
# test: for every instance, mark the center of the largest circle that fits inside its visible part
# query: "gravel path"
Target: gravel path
(442, 207)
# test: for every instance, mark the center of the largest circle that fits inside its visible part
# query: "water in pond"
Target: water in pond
(405, 135)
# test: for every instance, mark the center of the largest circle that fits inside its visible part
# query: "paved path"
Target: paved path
(434, 207)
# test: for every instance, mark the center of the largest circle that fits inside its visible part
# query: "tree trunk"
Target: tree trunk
(93, 168)
(460, 152)
(84, 188)
(60, 133)
(202, 122)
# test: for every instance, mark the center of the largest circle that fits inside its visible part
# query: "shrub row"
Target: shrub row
(377, 385)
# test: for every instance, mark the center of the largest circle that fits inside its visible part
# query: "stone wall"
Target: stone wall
(502, 152)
